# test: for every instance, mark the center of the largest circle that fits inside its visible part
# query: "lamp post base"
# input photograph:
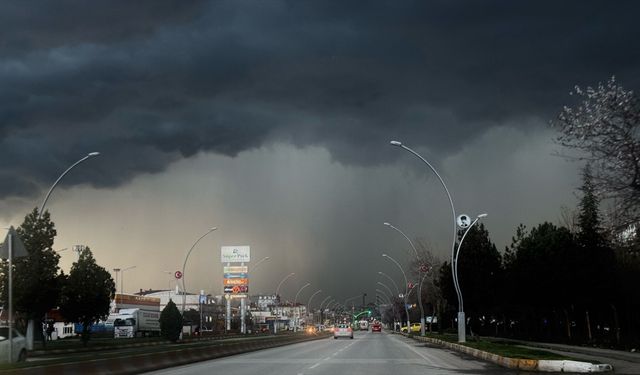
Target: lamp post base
(461, 327)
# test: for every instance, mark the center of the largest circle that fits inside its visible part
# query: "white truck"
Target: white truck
(135, 323)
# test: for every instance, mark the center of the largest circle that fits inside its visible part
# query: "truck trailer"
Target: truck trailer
(135, 323)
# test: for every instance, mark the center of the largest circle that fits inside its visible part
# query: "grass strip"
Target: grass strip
(502, 348)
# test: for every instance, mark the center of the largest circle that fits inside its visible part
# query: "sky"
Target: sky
(271, 120)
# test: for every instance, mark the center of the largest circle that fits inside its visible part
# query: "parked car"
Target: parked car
(376, 327)
(19, 350)
(343, 330)
(415, 327)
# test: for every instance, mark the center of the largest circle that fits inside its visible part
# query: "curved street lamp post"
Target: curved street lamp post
(420, 264)
(275, 324)
(295, 303)
(46, 198)
(461, 317)
(309, 302)
(406, 289)
(184, 265)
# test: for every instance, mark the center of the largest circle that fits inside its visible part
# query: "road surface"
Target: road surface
(367, 354)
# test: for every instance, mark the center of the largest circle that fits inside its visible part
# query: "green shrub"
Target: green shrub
(171, 322)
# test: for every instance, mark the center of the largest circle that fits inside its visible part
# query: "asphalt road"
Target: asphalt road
(367, 354)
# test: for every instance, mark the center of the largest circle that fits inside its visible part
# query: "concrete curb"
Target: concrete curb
(520, 363)
(156, 361)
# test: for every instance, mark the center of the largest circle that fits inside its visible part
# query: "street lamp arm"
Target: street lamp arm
(404, 275)
(310, 298)
(390, 279)
(295, 300)
(259, 262)
(283, 280)
(46, 198)
(389, 289)
(408, 239)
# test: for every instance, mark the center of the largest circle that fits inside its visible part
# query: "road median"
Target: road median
(179, 355)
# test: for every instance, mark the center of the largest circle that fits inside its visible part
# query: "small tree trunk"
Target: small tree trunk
(616, 324)
(588, 321)
(567, 323)
(84, 336)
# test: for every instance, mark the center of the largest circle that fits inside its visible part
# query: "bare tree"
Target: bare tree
(605, 127)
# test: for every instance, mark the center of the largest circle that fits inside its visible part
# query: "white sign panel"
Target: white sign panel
(235, 254)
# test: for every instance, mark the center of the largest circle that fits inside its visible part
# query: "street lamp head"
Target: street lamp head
(482, 215)
(396, 143)
(213, 228)
(267, 258)
(385, 255)
(93, 154)
(387, 224)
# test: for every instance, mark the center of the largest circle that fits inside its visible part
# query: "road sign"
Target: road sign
(236, 282)
(17, 247)
(463, 221)
(410, 285)
(178, 275)
(424, 268)
(235, 276)
(235, 269)
(235, 289)
(235, 254)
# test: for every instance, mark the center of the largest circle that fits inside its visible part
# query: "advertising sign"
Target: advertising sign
(235, 276)
(236, 282)
(235, 289)
(235, 269)
(235, 254)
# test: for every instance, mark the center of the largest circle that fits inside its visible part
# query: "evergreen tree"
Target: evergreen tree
(171, 322)
(36, 278)
(86, 293)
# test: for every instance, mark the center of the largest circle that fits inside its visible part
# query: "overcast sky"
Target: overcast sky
(272, 119)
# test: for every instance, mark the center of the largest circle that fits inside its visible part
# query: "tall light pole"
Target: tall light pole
(461, 317)
(46, 198)
(406, 290)
(455, 274)
(420, 265)
(122, 277)
(321, 311)
(184, 265)
(295, 304)
(282, 282)
(275, 325)
(117, 270)
(392, 281)
(309, 302)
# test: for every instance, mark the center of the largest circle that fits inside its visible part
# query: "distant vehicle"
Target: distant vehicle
(19, 350)
(343, 330)
(364, 325)
(415, 327)
(376, 327)
(129, 323)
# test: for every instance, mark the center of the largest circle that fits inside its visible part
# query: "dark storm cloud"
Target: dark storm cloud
(147, 83)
